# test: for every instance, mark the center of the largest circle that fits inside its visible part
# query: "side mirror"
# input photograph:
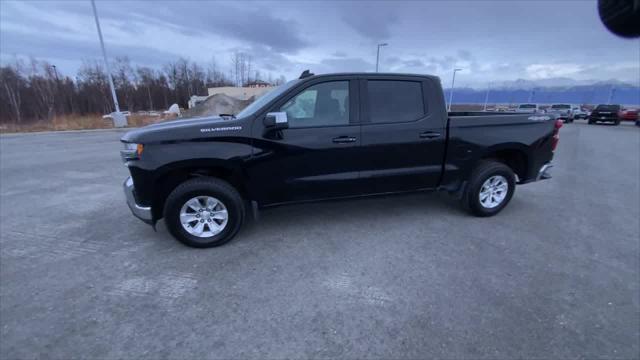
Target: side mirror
(276, 121)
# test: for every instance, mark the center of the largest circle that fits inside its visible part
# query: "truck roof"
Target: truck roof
(377, 74)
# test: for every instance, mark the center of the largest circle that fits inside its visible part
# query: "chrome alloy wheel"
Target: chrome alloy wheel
(204, 216)
(493, 191)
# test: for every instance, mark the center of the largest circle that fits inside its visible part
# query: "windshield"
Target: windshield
(527, 106)
(608, 107)
(560, 106)
(266, 98)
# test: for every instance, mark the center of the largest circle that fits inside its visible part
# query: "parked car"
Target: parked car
(527, 108)
(329, 136)
(563, 112)
(605, 113)
(629, 114)
(578, 113)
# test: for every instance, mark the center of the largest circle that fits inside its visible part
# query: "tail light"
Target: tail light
(556, 135)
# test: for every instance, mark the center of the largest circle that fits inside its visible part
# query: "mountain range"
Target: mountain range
(558, 90)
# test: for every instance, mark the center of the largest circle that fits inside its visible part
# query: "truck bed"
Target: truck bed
(473, 135)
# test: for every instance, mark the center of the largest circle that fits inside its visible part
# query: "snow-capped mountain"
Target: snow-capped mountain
(552, 91)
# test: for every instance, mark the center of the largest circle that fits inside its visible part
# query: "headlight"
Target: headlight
(132, 151)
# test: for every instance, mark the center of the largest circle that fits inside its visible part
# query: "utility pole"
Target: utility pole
(378, 54)
(453, 81)
(119, 120)
(486, 97)
(531, 94)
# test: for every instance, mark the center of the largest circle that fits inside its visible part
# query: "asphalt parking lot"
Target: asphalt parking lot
(555, 275)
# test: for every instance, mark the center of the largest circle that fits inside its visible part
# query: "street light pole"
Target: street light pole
(55, 72)
(118, 118)
(486, 97)
(612, 91)
(378, 55)
(453, 81)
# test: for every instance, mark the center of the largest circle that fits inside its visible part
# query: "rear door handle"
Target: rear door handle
(344, 139)
(429, 135)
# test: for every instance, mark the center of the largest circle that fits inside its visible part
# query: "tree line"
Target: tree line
(38, 91)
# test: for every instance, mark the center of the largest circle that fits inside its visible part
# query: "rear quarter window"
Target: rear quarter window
(395, 101)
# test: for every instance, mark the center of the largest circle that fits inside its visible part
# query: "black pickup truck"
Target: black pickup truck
(329, 136)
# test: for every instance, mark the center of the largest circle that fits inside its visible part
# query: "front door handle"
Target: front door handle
(344, 139)
(429, 135)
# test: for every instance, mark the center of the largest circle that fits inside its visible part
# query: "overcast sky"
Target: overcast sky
(491, 40)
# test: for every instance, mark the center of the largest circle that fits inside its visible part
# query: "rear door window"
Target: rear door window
(395, 101)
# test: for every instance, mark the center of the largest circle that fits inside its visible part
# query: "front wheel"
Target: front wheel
(204, 212)
(490, 188)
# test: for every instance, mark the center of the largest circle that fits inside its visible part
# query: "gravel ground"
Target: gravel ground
(555, 275)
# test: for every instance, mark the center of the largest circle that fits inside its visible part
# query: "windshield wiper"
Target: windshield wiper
(227, 115)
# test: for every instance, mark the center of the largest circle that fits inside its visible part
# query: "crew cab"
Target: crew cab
(605, 113)
(324, 137)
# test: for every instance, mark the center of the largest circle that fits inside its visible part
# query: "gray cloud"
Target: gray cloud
(348, 64)
(372, 22)
(65, 49)
(491, 40)
(340, 54)
(413, 63)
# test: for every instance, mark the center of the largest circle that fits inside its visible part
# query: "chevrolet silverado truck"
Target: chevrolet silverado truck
(325, 137)
(605, 113)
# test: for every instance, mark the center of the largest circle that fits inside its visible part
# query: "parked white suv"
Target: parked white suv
(563, 112)
(528, 108)
(578, 113)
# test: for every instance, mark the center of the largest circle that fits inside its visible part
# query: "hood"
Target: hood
(184, 129)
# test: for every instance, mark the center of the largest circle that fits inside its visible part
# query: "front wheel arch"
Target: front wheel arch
(176, 174)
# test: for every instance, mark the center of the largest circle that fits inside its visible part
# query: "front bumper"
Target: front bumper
(604, 118)
(544, 172)
(141, 212)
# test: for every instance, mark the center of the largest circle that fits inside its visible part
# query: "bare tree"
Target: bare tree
(12, 83)
(124, 78)
(280, 80)
(43, 85)
(40, 92)
(241, 67)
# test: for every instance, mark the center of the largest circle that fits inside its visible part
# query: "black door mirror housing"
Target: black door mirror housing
(276, 121)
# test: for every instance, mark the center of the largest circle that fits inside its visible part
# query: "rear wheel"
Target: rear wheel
(490, 188)
(617, 122)
(204, 212)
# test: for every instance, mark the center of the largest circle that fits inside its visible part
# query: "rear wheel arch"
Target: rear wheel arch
(515, 158)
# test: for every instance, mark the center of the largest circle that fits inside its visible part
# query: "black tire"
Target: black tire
(204, 186)
(591, 122)
(483, 171)
(616, 123)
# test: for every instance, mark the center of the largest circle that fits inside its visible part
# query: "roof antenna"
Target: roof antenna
(306, 74)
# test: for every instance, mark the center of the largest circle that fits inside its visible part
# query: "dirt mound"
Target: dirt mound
(218, 104)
